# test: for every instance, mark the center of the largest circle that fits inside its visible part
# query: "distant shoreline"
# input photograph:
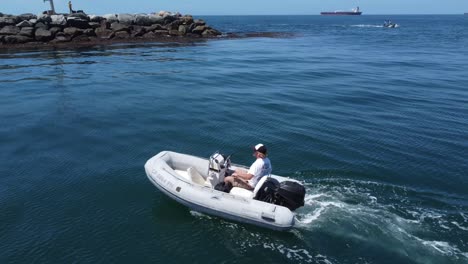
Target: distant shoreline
(63, 31)
(80, 29)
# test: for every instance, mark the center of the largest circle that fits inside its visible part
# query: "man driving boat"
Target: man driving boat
(249, 179)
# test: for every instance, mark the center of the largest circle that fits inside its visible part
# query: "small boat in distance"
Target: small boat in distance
(353, 12)
(390, 24)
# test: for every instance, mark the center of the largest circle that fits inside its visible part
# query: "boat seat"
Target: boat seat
(196, 177)
(246, 193)
(241, 192)
(259, 185)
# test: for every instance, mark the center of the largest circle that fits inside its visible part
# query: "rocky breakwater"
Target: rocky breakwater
(79, 28)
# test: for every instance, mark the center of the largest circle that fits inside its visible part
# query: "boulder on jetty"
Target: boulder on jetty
(80, 27)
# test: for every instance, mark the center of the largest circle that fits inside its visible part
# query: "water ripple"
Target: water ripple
(378, 134)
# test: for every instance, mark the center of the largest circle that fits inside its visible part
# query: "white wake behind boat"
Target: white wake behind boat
(190, 180)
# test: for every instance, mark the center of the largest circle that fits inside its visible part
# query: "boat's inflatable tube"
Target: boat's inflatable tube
(173, 174)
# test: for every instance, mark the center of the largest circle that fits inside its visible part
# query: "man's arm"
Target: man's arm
(242, 174)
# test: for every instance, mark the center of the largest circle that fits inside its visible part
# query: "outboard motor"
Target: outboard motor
(217, 167)
(289, 194)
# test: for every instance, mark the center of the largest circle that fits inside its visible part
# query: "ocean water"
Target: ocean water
(374, 121)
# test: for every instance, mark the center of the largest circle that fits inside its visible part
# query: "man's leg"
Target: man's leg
(236, 182)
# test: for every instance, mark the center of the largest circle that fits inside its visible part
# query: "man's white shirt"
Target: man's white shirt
(261, 167)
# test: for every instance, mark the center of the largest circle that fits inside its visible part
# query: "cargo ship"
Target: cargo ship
(353, 12)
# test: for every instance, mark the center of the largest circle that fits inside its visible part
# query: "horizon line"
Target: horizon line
(314, 14)
(366, 14)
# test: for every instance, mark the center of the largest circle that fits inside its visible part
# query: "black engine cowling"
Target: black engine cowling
(291, 194)
(288, 193)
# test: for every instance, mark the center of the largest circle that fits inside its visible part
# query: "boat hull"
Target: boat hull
(340, 13)
(207, 200)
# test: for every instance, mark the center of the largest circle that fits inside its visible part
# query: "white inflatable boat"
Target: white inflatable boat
(191, 180)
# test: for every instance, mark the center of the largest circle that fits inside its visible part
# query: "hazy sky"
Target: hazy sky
(241, 7)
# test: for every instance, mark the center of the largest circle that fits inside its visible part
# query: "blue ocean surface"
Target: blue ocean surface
(373, 120)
